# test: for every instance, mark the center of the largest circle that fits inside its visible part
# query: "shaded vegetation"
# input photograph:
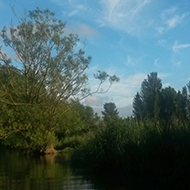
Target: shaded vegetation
(151, 149)
(41, 88)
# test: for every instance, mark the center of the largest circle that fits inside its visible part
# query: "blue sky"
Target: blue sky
(129, 38)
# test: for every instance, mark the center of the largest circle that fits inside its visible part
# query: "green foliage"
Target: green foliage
(34, 96)
(50, 66)
(110, 111)
(129, 151)
(153, 145)
(107, 147)
(78, 124)
(27, 127)
(168, 99)
(149, 88)
(162, 106)
(138, 107)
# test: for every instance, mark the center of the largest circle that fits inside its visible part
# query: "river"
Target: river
(19, 171)
(22, 172)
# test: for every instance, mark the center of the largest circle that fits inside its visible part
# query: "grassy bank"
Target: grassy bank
(131, 152)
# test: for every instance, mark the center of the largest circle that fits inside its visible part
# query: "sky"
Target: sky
(128, 38)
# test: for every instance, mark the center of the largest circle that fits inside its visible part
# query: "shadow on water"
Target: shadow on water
(113, 181)
(29, 172)
(50, 172)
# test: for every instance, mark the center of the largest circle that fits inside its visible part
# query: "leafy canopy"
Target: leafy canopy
(51, 66)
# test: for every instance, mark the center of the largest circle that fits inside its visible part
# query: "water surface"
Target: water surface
(22, 172)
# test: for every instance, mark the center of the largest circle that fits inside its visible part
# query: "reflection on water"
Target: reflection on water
(22, 172)
(18, 171)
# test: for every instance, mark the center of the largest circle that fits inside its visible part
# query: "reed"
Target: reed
(130, 151)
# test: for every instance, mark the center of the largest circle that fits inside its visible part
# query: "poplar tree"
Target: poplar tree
(150, 87)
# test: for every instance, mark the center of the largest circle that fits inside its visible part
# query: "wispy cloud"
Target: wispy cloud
(127, 85)
(177, 46)
(123, 14)
(129, 61)
(81, 29)
(134, 17)
(156, 63)
(163, 75)
(166, 85)
(123, 92)
(95, 100)
(173, 22)
(85, 30)
(135, 60)
(170, 18)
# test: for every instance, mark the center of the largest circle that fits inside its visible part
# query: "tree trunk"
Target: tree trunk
(50, 149)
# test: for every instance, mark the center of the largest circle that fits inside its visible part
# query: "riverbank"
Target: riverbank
(138, 155)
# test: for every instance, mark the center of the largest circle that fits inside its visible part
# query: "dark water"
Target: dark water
(22, 172)
(19, 171)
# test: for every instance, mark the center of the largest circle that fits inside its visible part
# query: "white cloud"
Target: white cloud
(129, 62)
(163, 75)
(121, 93)
(72, 13)
(173, 22)
(84, 30)
(156, 63)
(177, 46)
(123, 14)
(135, 17)
(94, 101)
(166, 85)
(170, 18)
(160, 29)
(135, 59)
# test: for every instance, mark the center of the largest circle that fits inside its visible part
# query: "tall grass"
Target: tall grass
(130, 151)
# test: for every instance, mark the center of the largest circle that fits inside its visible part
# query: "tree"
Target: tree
(138, 107)
(150, 88)
(181, 107)
(168, 106)
(51, 66)
(79, 124)
(188, 101)
(157, 109)
(110, 111)
(50, 70)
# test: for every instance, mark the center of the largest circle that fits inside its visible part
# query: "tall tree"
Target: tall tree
(138, 107)
(51, 71)
(110, 111)
(181, 107)
(168, 106)
(150, 87)
(50, 64)
(157, 109)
